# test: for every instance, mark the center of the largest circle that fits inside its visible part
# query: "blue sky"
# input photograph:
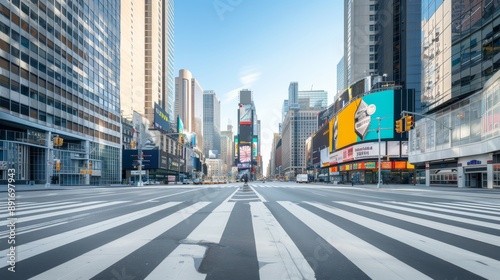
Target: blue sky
(260, 45)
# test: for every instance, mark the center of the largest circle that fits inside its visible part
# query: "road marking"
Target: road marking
(455, 206)
(63, 212)
(43, 245)
(464, 213)
(168, 195)
(23, 212)
(467, 233)
(181, 263)
(259, 195)
(374, 262)
(278, 256)
(92, 263)
(438, 215)
(473, 262)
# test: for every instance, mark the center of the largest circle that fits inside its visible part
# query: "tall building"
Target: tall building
(383, 39)
(146, 47)
(293, 95)
(227, 147)
(457, 144)
(211, 123)
(360, 39)
(297, 127)
(341, 78)
(60, 91)
(147, 77)
(313, 99)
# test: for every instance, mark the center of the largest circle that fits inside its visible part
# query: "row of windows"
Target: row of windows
(39, 96)
(25, 110)
(78, 51)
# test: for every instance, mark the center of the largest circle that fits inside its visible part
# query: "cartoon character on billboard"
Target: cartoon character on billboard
(362, 118)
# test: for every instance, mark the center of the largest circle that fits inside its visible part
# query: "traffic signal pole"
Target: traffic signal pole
(403, 113)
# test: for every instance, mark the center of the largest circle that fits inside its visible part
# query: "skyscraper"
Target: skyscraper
(60, 91)
(211, 122)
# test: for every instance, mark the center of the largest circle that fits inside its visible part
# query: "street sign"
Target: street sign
(137, 172)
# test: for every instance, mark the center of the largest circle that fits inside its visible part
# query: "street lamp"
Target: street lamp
(379, 163)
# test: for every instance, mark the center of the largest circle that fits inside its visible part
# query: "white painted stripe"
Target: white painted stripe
(374, 262)
(243, 199)
(231, 195)
(259, 195)
(467, 233)
(92, 263)
(463, 213)
(481, 205)
(180, 264)
(28, 250)
(63, 212)
(278, 256)
(459, 207)
(438, 215)
(45, 208)
(168, 195)
(475, 263)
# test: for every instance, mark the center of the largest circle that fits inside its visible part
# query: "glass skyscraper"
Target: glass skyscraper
(59, 79)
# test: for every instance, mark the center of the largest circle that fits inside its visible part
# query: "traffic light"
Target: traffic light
(399, 126)
(181, 139)
(409, 123)
(58, 141)
(58, 165)
(90, 165)
(133, 144)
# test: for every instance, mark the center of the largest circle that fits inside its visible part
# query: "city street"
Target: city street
(271, 230)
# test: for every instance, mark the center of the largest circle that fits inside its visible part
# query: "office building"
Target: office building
(457, 143)
(211, 123)
(60, 91)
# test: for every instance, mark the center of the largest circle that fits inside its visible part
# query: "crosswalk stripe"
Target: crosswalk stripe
(459, 207)
(475, 263)
(278, 254)
(259, 195)
(63, 212)
(374, 262)
(481, 205)
(39, 246)
(91, 263)
(45, 208)
(467, 233)
(180, 263)
(463, 213)
(438, 215)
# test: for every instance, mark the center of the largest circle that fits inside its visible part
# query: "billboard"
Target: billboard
(358, 121)
(236, 146)
(245, 153)
(161, 119)
(255, 151)
(245, 114)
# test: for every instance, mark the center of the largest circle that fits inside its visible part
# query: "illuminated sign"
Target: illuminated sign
(245, 114)
(358, 121)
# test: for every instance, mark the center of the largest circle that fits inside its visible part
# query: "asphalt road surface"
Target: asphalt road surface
(272, 230)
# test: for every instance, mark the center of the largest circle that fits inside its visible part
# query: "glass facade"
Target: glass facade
(59, 73)
(460, 48)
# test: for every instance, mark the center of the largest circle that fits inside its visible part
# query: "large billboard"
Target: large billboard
(161, 119)
(358, 121)
(245, 114)
(245, 153)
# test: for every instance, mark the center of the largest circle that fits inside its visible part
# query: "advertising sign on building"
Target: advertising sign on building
(161, 119)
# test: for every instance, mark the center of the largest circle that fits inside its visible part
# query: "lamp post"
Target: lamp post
(379, 163)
